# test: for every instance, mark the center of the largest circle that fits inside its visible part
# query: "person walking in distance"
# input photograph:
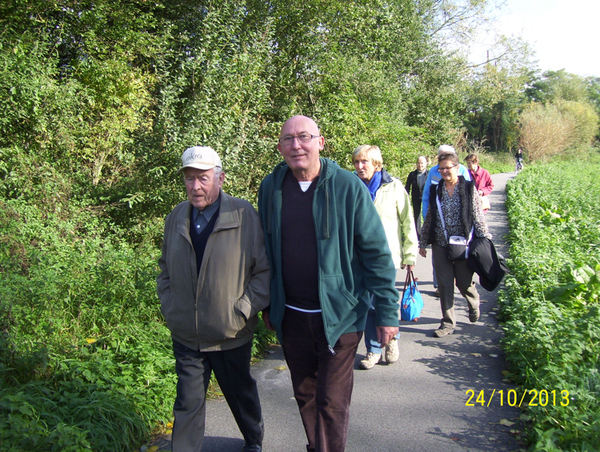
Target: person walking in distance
(518, 160)
(415, 183)
(483, 181)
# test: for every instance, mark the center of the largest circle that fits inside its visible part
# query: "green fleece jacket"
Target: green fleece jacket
(353, 252)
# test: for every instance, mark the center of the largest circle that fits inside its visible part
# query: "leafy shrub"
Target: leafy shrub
(551, 304)
(85, 358)
(550, 129)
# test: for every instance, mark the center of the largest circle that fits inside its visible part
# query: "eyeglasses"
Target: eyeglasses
(448, 168)
(302, 138)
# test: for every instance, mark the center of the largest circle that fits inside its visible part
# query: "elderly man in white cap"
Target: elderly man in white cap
(433, 177)
(214, 281)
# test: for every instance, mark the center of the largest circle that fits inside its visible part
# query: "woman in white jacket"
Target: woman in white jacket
(394, 208)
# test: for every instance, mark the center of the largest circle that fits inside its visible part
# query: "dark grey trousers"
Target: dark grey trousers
(232, 370)
(448, 272)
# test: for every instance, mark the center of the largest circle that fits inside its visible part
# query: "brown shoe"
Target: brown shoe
(443, 331)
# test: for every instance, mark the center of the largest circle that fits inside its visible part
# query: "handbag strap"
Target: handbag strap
(439, 206)
(413, 284)
(410, 281)
(406, 281)
(412, 276)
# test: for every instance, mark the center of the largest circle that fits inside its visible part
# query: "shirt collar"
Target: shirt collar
(208, 211)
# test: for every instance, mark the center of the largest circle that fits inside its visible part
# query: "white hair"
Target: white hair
(445, 148)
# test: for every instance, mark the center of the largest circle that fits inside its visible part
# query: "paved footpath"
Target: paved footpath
(417, 404)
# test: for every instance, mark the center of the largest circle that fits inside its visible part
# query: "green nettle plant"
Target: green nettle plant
(85, 359)
(551, 304)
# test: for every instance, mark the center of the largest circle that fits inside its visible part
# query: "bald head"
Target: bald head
(304, 122)
(299, 144)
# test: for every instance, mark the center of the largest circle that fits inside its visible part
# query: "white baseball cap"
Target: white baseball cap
(199, 157)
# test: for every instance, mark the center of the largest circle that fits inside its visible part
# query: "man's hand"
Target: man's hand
(385, 334)
(423, 252)
(265, 317)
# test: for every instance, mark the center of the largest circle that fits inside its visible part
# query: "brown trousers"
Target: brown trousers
(322, 380)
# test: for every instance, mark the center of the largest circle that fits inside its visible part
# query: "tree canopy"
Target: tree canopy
(104, 96)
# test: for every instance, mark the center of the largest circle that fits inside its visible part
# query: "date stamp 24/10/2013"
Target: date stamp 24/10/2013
(512, 397)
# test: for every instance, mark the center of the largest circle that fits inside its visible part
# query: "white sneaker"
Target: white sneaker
(370, 361)
(391, 351)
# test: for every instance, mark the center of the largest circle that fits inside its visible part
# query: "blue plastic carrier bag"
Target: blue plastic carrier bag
(412, 301)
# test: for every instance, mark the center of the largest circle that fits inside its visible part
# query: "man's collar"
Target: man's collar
(208, 211)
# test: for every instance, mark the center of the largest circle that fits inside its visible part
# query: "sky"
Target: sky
(563, 33)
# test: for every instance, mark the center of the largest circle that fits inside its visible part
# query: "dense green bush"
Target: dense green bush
(85, 359)
(551, 304)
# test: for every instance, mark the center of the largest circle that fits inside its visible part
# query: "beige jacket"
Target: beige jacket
(393, 206)
(217, 308)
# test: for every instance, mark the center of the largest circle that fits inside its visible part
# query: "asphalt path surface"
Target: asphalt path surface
(416, 404)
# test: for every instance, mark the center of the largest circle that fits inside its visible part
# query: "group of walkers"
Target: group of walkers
(319, 259)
